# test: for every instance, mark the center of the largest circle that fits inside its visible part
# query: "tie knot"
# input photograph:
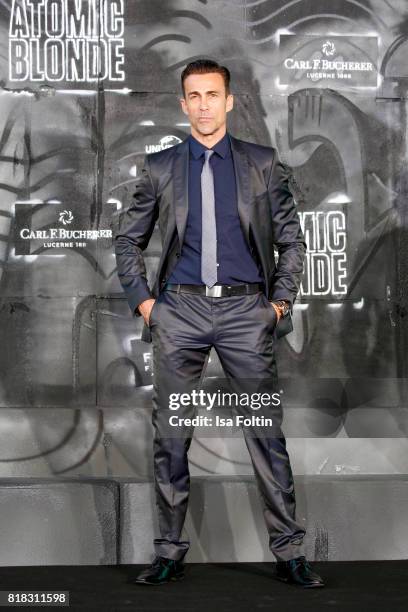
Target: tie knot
(208, 153)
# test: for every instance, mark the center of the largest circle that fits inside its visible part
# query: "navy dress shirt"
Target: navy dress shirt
(234, 260)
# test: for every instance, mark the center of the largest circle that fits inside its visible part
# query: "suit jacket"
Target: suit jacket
(265, 206)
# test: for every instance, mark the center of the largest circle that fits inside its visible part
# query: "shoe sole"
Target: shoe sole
(173, 579)
(303, 586)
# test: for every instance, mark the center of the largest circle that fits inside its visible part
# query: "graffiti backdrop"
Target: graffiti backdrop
(88, 87)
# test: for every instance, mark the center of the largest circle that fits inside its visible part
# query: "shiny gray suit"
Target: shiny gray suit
(265, 207)
(242, 329)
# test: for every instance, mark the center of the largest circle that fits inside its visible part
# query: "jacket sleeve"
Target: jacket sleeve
(135, 229)
(287, 234)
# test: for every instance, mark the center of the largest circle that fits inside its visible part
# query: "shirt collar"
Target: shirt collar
(222, 147)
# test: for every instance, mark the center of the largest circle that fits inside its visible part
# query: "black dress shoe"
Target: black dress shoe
(161, 571)
(298, 571)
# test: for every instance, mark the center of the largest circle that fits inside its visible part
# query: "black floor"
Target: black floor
(226, 587)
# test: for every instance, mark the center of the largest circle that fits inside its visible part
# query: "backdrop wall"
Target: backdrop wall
(86, 90)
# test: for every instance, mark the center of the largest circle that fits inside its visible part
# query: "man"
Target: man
(222, 205)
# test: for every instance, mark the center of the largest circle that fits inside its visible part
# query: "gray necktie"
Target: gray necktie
(208, 228)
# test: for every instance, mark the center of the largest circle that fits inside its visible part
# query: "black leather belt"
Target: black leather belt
(216, 291)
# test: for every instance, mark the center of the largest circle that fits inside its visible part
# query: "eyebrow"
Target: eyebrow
(197, 92)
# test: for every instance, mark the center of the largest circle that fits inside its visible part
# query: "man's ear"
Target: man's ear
(183, 106)
(230, 103)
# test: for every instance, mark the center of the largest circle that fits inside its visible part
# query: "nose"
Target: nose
(204, 103)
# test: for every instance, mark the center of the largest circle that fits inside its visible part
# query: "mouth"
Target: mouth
(204, 118)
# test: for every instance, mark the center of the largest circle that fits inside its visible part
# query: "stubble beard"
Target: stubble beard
(207, 130)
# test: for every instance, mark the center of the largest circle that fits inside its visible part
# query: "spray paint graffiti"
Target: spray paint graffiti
(330, 143)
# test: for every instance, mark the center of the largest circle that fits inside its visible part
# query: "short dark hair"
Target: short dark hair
(205, 66)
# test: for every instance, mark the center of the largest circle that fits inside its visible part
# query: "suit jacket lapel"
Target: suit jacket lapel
(180, 186)
(241, 167)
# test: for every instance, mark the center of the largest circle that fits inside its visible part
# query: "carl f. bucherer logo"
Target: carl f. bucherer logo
(66, 217)
(328, 48)
(55, 237)
(345, 59)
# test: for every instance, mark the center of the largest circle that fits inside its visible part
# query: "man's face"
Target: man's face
(206, 103)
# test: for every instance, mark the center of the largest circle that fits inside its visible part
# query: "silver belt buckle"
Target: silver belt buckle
(215, 291)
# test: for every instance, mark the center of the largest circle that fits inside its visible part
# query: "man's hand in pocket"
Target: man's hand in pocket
(277, 310)
(145, 308)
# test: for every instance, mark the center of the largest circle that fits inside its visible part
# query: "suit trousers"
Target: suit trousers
(184, 328)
